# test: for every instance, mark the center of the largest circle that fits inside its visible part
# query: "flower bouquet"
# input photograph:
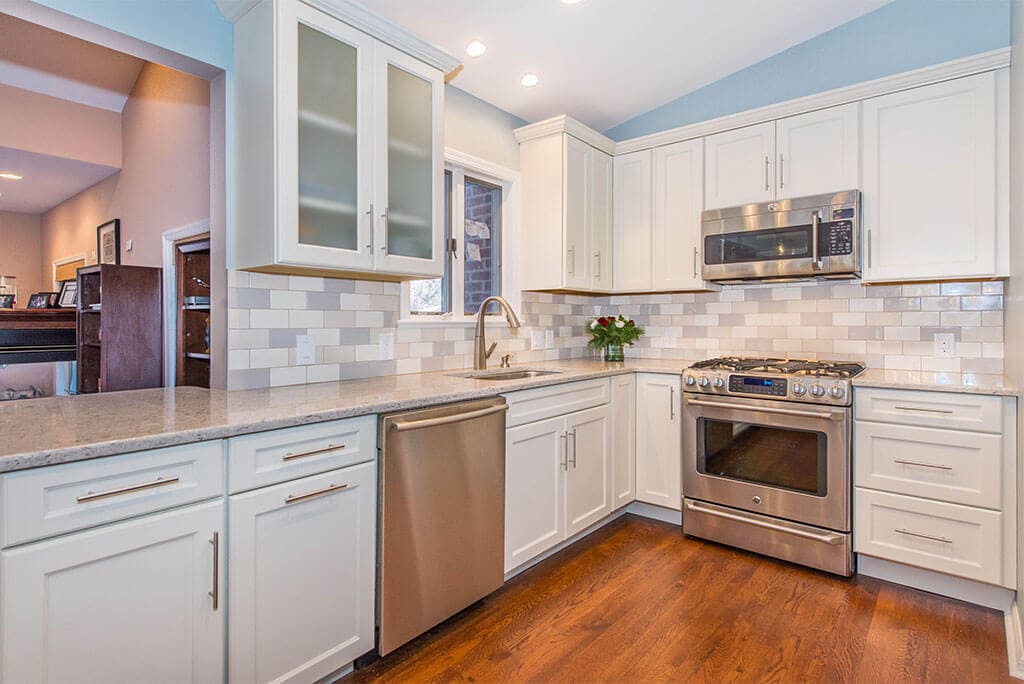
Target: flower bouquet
(611, 334)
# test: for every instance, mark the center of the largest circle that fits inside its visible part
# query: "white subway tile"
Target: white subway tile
(268, 318)
(286, 299)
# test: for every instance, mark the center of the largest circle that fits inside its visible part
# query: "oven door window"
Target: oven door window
(760, 454)
(773, 244)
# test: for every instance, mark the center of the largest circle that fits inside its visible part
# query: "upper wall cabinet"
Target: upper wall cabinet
(633, 220)
(567, 214)
(808, 154)
(340, 154)
(930, 198)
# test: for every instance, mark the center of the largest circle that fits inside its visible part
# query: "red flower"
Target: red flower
(632, 323)
(603, 321)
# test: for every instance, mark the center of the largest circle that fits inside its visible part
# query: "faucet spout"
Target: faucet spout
(481, 352)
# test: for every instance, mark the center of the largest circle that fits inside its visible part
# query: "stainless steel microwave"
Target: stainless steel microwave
(806, 237)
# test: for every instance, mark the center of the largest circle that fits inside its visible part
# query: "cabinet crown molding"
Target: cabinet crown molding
(356, 15)
(565, 124)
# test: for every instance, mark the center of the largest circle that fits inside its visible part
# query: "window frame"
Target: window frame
(461, 165)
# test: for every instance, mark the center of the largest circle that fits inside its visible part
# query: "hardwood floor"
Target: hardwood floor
(637, 601)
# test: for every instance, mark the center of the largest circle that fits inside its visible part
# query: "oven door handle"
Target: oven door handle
(827, 538)
(765, 409)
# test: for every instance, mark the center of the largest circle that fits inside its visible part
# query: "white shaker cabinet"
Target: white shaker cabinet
(739, 166)
(678, 203)
(588, 472)
(342, 166)
(930, 208)
(659, 440)
(135, 601)
(623, 440)
(302, 576)
(818, 152)
(633, 216)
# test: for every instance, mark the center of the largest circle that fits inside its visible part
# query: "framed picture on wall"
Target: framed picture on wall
(108, 242)
(68, 295)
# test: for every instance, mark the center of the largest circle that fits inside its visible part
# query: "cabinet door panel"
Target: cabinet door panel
(623, 440)
(325, 151)
(578, 167)
(124, 603)
(658, 440)
(302, 576)
(535, 462)
(678, 202)
(588, 481)
(632, 211)
(929, 200)
(739, 166)
(819, 152)
(601, 191)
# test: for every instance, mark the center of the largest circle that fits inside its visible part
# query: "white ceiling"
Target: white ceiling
(52, 63)
(605, 61)
(47, 181)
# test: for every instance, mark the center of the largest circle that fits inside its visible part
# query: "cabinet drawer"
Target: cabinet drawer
(930, 409)
(45, 502)
(958, 467)
(266, 458)
(547, 402)
(958, 540)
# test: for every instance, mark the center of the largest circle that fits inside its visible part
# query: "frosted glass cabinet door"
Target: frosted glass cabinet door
(326, 100)
(409, 164)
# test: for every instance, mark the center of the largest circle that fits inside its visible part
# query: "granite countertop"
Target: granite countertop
(967, 383)
(40, 432)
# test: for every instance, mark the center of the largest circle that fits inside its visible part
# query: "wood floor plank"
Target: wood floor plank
(639, 601)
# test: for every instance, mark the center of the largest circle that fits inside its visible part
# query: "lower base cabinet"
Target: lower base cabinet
(623, 440)
(659, 440)
(135, 601)
(302, 576)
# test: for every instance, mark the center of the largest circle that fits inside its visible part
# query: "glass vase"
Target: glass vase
(613, 352)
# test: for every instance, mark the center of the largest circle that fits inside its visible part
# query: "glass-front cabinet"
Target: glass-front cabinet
(340, 149)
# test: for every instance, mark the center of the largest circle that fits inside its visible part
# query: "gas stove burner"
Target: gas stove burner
(825, 369)
(776, 379)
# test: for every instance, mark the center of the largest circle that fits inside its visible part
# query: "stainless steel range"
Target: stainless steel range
(766, 457)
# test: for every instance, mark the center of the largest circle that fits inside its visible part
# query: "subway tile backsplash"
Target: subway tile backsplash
(883, 326)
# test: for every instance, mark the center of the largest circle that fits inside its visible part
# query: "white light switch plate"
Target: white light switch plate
(305, 350)
(945, 345)
(386, 346)
(536, 339)
(549, 339)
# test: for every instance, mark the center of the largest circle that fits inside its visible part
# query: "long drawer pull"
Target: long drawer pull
(762, 409)
(832, 538)
(315, 452)
(296, 498)
(925, 410)
(923, 465)
(215, 592)
(923, 536)
(158, 482)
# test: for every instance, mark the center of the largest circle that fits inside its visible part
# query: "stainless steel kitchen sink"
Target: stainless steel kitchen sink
(499, 375)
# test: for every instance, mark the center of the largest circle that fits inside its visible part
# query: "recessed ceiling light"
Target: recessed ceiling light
(476, 48)
(529, 80)
(7, 175)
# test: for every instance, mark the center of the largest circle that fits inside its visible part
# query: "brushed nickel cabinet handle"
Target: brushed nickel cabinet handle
(923, 536)
(215, 592)
(923, 465)
(923, 410)
(330, 489)
(565, 450)
(696, 255)
(387, 225)
(597, 255)
(315, 452)
(571, 253)
(782, 184)
(672, 403)
(869, 248)
(573, 433)
(158, 482)
(370, 214)
(766, 186)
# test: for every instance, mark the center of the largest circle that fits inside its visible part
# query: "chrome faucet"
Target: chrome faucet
(481, 351)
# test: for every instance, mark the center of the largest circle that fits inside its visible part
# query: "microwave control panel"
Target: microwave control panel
(838, 235)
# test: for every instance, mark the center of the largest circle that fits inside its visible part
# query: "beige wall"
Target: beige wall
(480, 129)
(19, 254)
(164, 181)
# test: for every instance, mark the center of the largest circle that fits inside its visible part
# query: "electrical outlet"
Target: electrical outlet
(305, 350)
(671, 342)
(549, 339)
(536, 339)
(945, 345)
(386, 346)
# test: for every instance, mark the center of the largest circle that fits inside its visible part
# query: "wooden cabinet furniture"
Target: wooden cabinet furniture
(120, 328)
(623, 439)
(558, 472)
(567, 213)
(659, 440)
(935, 481)
(922, 224)
(192, 272)
(343, 167)
(37, 335)
(807, 154)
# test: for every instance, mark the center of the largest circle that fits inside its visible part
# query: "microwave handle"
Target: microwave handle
(815, 224)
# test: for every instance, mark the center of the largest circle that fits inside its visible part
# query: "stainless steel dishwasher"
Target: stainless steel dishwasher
(442, 520)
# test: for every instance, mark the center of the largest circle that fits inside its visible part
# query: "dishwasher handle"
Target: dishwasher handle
(403, 425)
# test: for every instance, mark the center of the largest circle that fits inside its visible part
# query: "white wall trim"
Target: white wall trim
(1014, 641)
(170, 286)
(965, 66)
(83, 257)
(978, 593)
(356, 15)
(566, 124)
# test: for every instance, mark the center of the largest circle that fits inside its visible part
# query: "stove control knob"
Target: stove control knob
(704, 382)
(799, 390)
(817, 391)
(719, 383)
(836, 392)
(690, 381)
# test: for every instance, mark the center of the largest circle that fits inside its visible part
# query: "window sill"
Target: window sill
(492, 320)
